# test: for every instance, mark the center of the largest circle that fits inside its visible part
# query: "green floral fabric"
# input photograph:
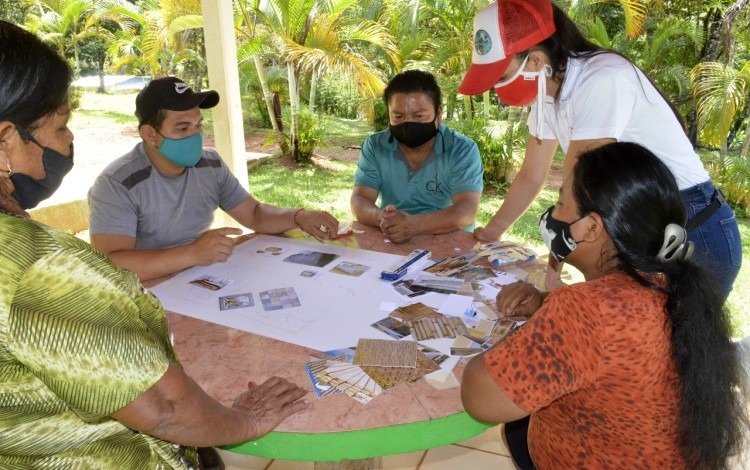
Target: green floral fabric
(79, 340)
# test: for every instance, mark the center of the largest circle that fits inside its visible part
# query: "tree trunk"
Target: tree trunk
(313, 91)
(486, 103)
(746, 144)
(101, 60)
(294, 106)
(268, 98)
(467, 105)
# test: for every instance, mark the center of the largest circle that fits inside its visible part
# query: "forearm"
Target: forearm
(365, 211)
(152, 264)
(188, 417)
(518, 199)
(272, 220)
(445, 220)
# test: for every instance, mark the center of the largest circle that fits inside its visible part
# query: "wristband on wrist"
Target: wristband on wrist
(295, 217)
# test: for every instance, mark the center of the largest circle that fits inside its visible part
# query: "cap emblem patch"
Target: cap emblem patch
(181, 88)
(482, 42)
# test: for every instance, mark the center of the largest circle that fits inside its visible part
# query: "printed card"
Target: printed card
(229, 302)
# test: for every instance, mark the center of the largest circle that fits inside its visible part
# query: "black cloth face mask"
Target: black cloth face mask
(413, 134)
(556, 235)
(29, 192)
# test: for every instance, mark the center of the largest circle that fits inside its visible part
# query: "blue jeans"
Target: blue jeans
(718, 246)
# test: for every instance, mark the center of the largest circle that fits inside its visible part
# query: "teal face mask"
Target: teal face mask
(183, 152)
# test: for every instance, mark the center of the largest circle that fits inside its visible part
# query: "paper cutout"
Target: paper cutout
(392, 327)
(314, 371)
(351, 380)
(311, 258)
(431, 328)
(413, 312)
(350, 269)
(504, 252)
(385, 353)
(279, 299)
(229, 302)
(213, 283)
(388, 377)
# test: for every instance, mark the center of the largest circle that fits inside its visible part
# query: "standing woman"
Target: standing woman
(88, 376)
(633, 368)
(583, 96)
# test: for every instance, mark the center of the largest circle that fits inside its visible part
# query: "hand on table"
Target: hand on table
(214, 246)
(486, 234)
(319, 224)
(270, 403)
(519, 299)
(398, 226)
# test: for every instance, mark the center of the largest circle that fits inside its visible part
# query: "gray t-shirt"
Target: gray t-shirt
(131, 198)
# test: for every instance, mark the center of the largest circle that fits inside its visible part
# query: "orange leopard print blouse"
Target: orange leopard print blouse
(594, 368)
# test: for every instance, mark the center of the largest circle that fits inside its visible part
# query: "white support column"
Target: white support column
(223, 76)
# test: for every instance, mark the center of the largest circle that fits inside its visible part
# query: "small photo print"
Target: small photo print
(279, 299)
(350, 269)
(271, 251)
(311, 258)
(229, 302)
(211, 282)
(392, 327)
(307, 273)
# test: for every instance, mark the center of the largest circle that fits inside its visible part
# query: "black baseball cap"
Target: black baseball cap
(172, 94)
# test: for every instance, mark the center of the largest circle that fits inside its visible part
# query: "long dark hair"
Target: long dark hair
(34, 79)
(637, 197)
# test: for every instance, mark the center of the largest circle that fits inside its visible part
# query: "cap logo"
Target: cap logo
(181, 88)
(482, 42)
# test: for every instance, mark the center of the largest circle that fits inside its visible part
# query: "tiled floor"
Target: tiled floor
(485, 451)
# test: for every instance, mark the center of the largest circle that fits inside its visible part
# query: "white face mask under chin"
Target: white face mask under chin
(541, 80)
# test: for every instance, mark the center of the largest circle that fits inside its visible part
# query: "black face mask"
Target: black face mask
(30, 192)
(556, 235)
(414, 134)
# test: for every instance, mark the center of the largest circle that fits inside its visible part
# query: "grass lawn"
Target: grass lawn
(329, 187)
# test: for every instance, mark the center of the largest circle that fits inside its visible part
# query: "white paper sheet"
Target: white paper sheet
(335, 309)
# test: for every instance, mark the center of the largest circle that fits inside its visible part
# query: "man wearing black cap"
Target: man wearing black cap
(151, 209)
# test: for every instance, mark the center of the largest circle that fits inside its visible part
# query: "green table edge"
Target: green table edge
(363, 444)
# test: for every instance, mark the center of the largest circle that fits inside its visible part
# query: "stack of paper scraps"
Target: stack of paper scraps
(373, 366)
(486, 334)
(425, 323)
(503, 253)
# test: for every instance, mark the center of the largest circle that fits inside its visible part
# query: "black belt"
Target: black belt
(704, 215)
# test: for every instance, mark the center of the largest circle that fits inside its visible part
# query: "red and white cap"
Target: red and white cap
(502, 30)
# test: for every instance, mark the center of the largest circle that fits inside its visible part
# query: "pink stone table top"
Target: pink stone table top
(222, 360)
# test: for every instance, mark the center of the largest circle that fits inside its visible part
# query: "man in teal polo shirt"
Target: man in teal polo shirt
(418, 176)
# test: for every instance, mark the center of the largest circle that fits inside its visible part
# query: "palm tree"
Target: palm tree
(314, 37)
(635, 13)
(721, 91)
(159, 38)
(452, 44)
(255, 43)
(63, 23)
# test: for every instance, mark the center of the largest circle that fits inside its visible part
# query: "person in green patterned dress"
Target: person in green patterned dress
(88, 377)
